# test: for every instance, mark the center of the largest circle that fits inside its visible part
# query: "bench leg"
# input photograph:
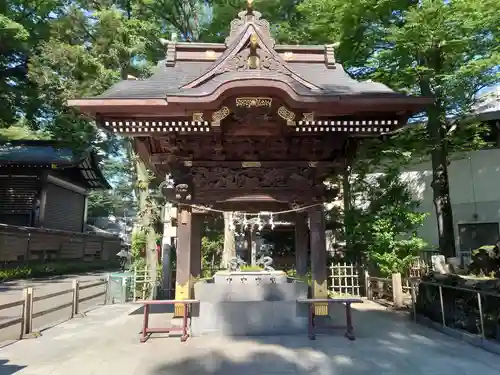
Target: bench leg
(145, 324)
(185, 334)
(311, 333)
(350, 331)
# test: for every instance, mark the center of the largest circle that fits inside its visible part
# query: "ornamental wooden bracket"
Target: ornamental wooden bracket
(287, 115)
(220, 115)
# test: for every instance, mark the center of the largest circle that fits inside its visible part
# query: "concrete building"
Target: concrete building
(474, 188)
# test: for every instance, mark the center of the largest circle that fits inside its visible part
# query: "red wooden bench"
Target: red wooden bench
(346, 301)
(147, 331)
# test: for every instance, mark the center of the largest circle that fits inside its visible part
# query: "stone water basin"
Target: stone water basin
(246, 303)
(251, 277)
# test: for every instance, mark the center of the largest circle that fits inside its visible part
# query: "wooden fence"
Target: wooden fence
(346, 279)
(29, 299)
(22, 244)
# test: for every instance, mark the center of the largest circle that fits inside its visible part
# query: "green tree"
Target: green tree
(385, 219)
(283, 16)
(446, 50)
(24, 25)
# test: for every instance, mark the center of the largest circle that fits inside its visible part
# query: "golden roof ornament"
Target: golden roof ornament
(249, 7)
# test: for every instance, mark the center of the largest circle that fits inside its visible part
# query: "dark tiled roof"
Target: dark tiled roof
(35, 152)
(167, 81)
(315, 77)
(51, 155)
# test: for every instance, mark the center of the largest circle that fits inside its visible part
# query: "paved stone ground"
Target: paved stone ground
(13, 291)
(107, 342)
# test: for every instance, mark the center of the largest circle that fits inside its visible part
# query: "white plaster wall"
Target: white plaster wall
(474, 190)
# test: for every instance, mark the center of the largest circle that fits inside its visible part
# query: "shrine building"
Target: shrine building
(249, 126)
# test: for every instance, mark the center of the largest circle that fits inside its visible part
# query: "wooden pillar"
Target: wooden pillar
(183, 265)
(301, 244)
(166, 256)
(43, 201)
(85, 212)
(249, 241)
(197, 230)
(318, 257)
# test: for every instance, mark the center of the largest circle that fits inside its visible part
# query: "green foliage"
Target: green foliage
(293, 274)
(283, 16)
(383, 221)
(121, 200)
(211, 251)
(282, 242)
(138, 245)
(54, 269)
(486, 261)
(54, 50)
(250, 268)
(444, 50)
(21, 132)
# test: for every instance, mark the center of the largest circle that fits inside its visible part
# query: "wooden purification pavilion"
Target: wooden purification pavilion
(249, 125)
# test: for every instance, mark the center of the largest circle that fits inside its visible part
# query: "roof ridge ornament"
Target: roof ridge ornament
(170, 50)
(330, 55)
(249, 7)
(249, 46)
(249, 16)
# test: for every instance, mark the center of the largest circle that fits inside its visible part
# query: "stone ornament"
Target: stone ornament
(236, 263)
(265, 262)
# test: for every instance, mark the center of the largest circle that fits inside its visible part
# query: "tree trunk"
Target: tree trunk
(166, 258)
(346, 195)
(350, 152)
(440, 183)
(229, 251)
(147, 224)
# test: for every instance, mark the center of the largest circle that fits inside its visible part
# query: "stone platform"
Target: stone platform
(249, 304)
(106, 342)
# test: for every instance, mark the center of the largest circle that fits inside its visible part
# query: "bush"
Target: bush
(252, 268)
(138, 245)
(486, 261)
(54, 269)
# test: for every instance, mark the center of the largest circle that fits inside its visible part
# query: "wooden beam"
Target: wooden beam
(162, 159)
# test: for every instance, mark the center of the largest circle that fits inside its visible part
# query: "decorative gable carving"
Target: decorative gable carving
(249, 47)
(238, 25)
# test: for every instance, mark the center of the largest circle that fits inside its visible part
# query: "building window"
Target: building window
(473, 236)
(492, 137)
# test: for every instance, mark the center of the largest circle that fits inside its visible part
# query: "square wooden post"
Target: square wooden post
(301, 244)
(196, 233)
(183, 265)
(318, 257)
(397, 290)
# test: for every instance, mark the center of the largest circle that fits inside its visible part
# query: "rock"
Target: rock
(438, 263)
(486, 261)
(461, 309)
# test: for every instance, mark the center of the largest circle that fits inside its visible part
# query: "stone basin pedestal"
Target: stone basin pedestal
(249, 303)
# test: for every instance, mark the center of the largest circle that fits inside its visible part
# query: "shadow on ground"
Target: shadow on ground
(387, 343)
(154, 309)
(6, 369)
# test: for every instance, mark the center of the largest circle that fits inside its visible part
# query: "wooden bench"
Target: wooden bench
(346, 301)
(147, 331)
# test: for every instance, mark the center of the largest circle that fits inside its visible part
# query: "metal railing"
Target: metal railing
(29, 299)
(451, 321)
